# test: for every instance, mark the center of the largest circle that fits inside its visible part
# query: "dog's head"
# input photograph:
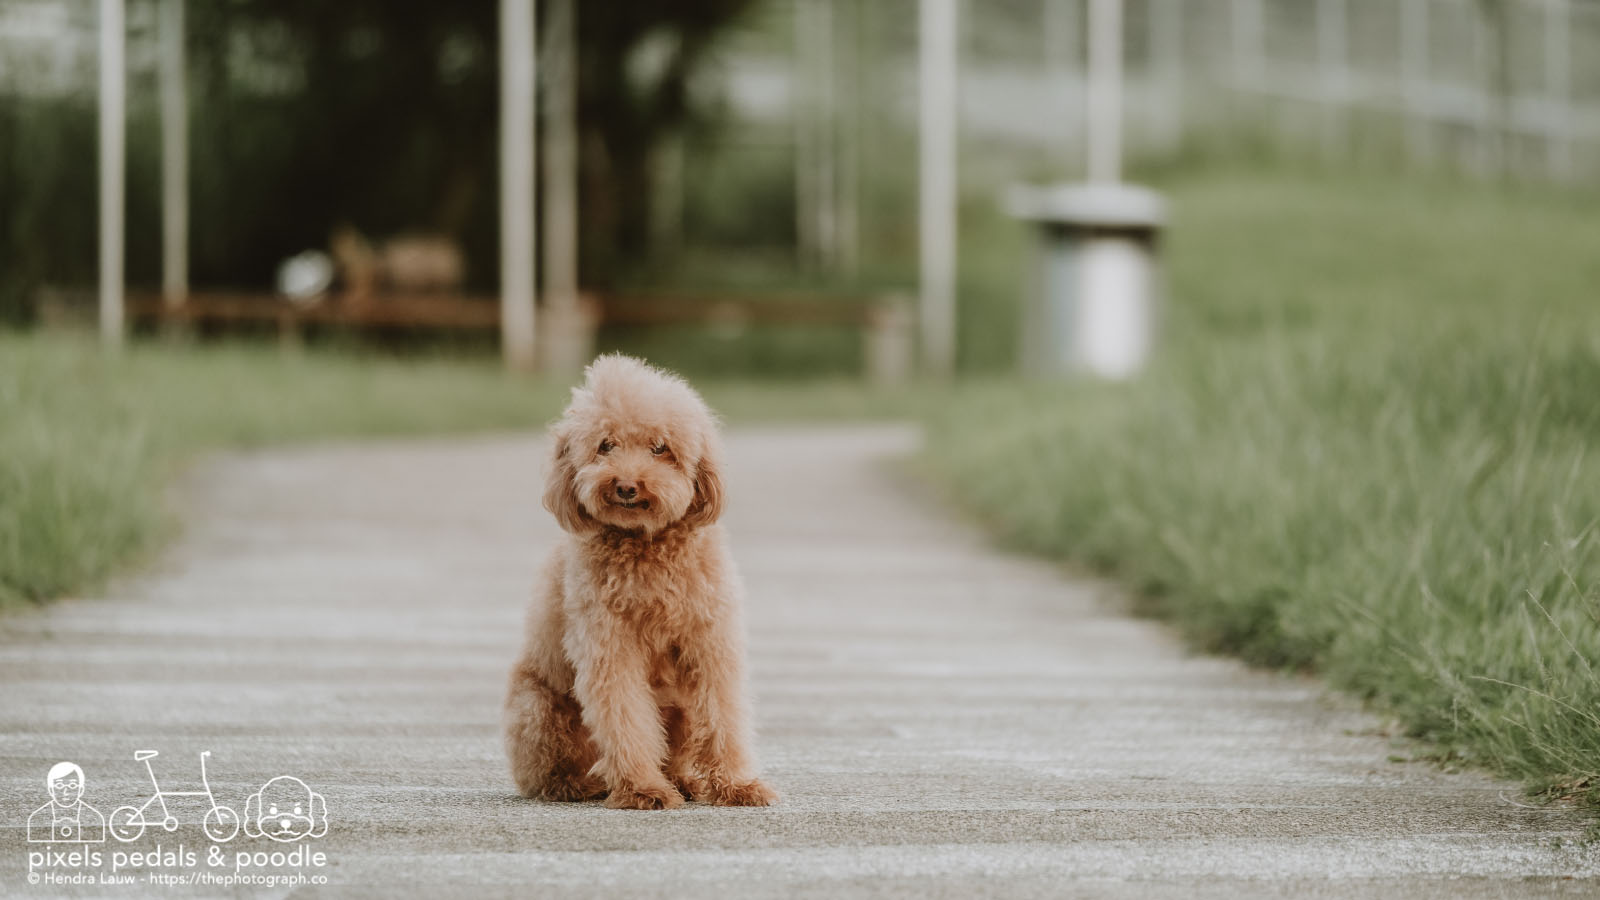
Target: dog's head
(636, 449)
(286, 810)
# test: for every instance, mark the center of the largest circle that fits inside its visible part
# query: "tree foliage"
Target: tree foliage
(381, 114)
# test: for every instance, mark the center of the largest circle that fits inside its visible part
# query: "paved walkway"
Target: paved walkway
(943, 720)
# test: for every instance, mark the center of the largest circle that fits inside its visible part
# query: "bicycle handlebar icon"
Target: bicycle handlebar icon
(128, 822)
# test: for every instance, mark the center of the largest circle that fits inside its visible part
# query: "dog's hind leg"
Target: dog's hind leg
(549, 749)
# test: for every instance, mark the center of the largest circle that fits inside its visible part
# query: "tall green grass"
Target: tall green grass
(1365, 449)
(89, 440)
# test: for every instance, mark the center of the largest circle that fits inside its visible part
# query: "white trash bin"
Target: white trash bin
(1092, 306)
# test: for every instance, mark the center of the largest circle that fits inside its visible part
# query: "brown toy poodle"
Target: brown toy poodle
(631, 683)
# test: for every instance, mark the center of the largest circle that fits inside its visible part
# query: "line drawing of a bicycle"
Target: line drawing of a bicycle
(221, 823)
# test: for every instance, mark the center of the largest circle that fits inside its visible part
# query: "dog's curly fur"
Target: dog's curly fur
(631, 683)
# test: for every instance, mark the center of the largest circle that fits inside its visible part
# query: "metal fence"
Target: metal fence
(1490, 87)
(821, 97)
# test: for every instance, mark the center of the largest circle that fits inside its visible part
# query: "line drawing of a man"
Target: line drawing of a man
(66, 819)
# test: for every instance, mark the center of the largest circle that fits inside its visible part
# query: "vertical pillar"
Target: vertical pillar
(517, 265)
(937, 183)
(566, 340)
(1248, 39)
(815, 149)
(1105, 91)
(174, 156)
(1415, 77)
(113, 135)
(1166, 69)
(1558, 88)
(1062, 62)
(824, 121)
(802, 102)
(1333, 74)
(847, 108)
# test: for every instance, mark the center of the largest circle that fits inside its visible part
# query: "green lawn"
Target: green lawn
(89, 441)
(1365, 450)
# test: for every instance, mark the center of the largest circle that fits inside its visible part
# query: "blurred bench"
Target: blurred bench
(389, 311)
(885, 322)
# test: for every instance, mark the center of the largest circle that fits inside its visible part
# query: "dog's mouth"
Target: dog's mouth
(631, 504)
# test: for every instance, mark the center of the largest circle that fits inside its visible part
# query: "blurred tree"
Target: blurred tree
(382, 114)
(635, 65)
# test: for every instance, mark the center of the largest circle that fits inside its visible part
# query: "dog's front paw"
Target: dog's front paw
(662, 797)
(742, 793)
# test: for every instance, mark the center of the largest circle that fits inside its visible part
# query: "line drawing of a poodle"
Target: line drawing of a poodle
(631, 684)
(286, 810)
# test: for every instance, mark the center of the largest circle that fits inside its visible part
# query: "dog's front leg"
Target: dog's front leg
(623, 719)
(717, 726)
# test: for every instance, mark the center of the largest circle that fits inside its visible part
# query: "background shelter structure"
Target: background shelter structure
(799, 172)
(518, 153)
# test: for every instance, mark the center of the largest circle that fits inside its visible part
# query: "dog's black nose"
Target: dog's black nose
(627, 491)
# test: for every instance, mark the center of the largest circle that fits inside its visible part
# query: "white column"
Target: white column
(564, 333)
(847, 106)
(1063, 63)
(113, 132)
(816, 208)
(827, 144)
(174, 156)
(1248, 42)
(1166, 69)
(1333, 73)
(516, 183)
(937, 184)
(1415, 77)
(1105, 91)
(1558, 88)
(1490, 157)
(802, 93)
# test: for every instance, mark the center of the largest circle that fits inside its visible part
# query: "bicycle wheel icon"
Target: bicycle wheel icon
(221, 824)
(127, 823)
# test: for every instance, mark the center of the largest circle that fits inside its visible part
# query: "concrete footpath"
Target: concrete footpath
(943, 720)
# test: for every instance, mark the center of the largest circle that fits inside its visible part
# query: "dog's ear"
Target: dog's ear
(252, 812)
(561, 488)
(319, 816)
(707, 504)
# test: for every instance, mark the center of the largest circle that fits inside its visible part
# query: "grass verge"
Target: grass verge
(88, 441)
(1365, 450)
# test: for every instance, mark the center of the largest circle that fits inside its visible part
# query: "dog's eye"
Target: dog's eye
(273, 811)
(297, 809)
(660, 448)
(606, 447)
